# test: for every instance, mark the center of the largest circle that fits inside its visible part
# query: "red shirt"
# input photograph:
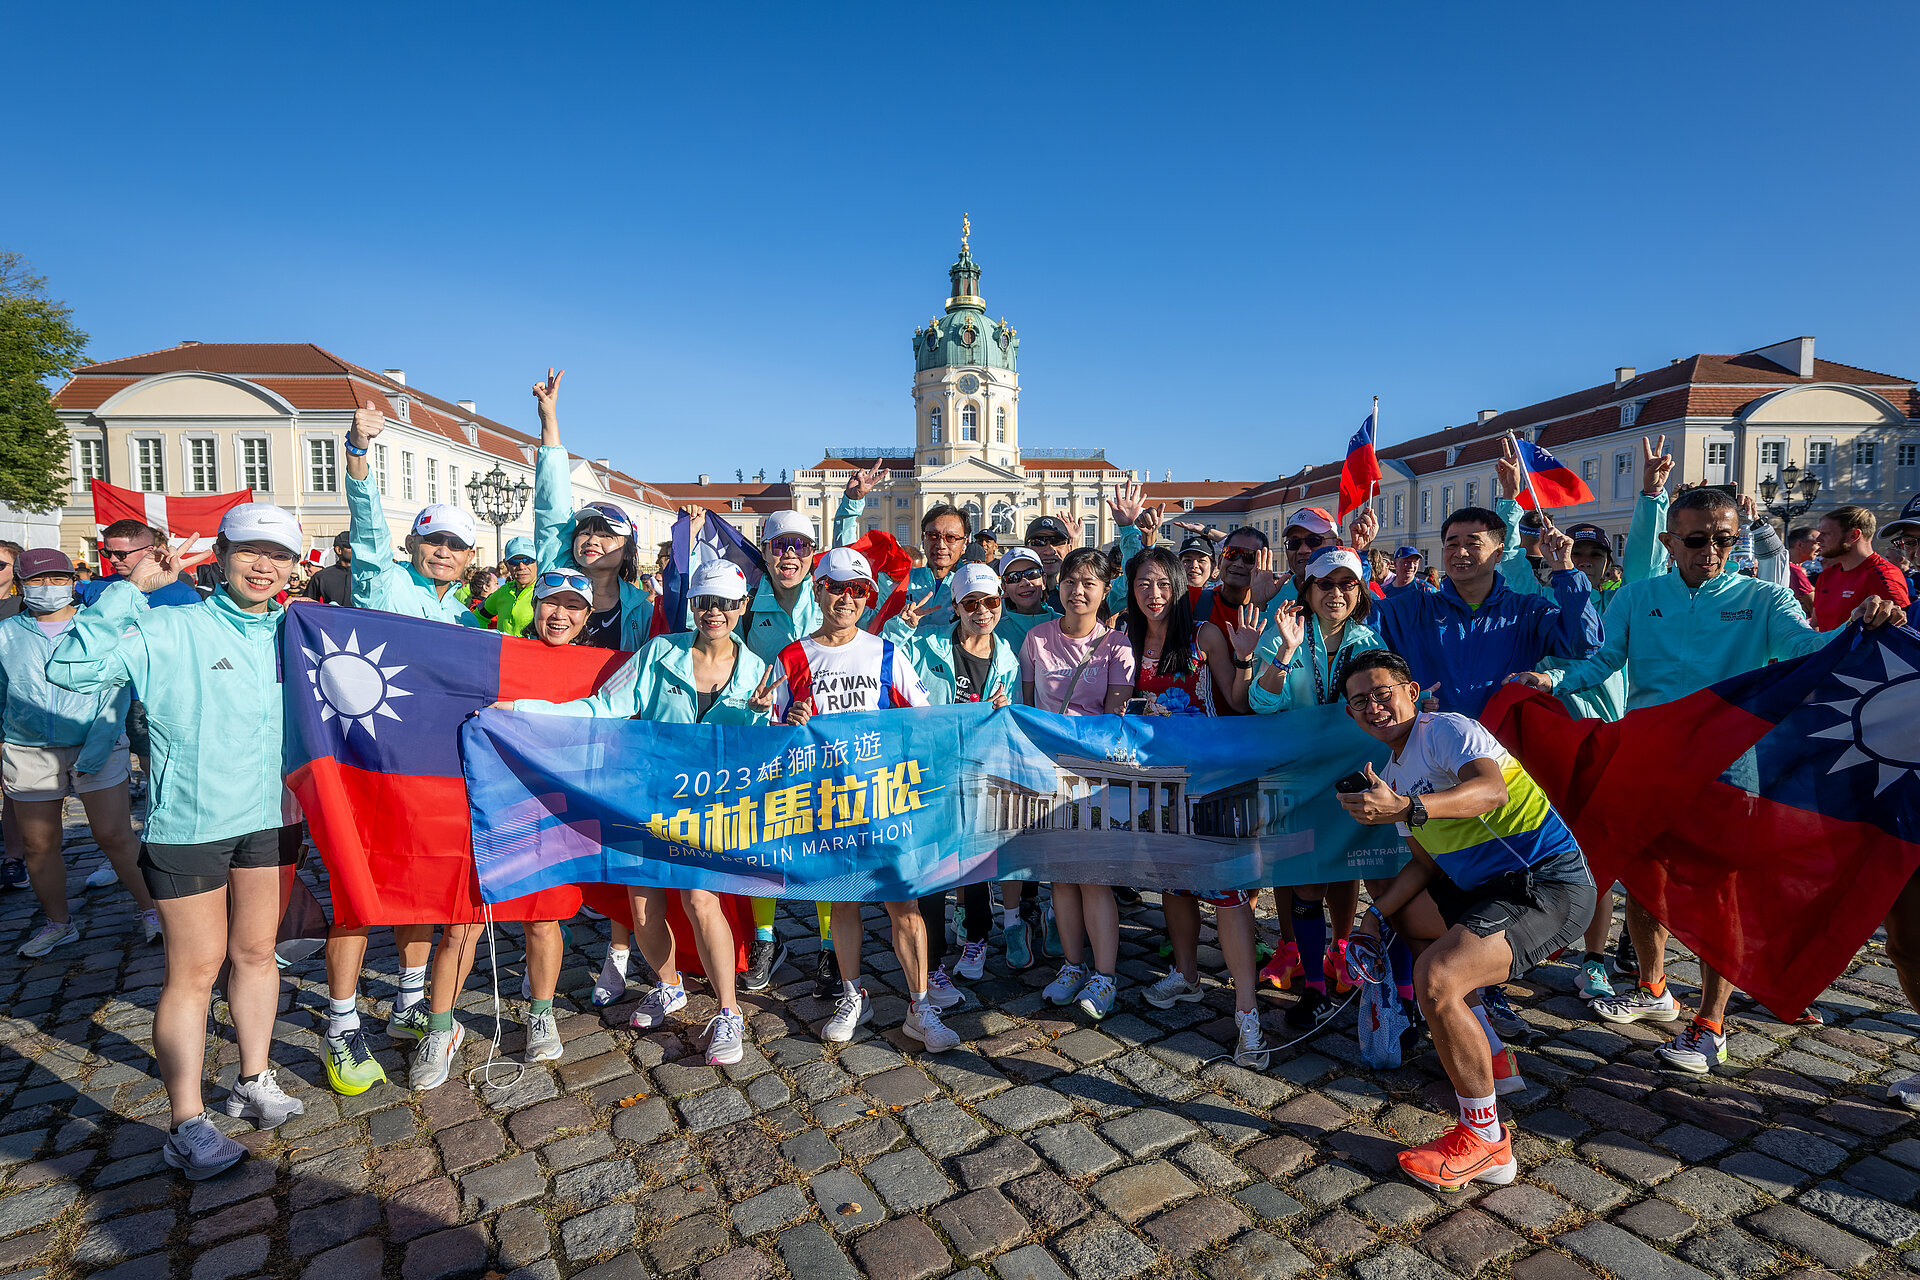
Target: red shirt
(1226, 617)
(1838, 592)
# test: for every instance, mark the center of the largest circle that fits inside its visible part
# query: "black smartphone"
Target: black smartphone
(1135, 707)
(1353, 782)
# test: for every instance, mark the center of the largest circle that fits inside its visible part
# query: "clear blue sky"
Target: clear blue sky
(1219, 232)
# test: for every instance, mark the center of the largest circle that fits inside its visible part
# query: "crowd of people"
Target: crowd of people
(1177, 619)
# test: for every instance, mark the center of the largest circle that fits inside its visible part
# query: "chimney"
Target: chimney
(468, 405)
(189, 342)
(705, 478)
(398, 375)
(605, 464)
(1488, 415)
(1624, 374)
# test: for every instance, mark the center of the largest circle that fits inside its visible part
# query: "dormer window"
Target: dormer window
(402, 409)
(1630, 412)
(471, 432)
(1453, 454)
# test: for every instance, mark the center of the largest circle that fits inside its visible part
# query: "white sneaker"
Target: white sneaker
(150, 924)
(729, 1041)
(1066, 983)
(1695, 1049)
(1252, 1051)
(1637, 1005)
(434, 1056)
(849, 1011)
(1905, 1092)
(654, 1007)
(51, 935)
(263, 1101)
(941, 993)
(611, 984)
(200, 1150)
(923, 1024)
(103, 875)
(973, 961)
(1171, 990)
(543, 1038)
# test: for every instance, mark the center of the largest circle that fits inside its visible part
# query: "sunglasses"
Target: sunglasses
(1231, 554)
(1720, 541)
(856, 588)
(519, 562)
(980, 604)
(705, 604)
(1040, 540)
(1023, 575)
(1378, 697)
(577, 581)
(948, 538)
(444, 540)
(1312, 541)
(791, 546)
(122, 555)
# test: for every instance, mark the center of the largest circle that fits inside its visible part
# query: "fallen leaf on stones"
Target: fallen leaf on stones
(850, 1208)
(628, 1102)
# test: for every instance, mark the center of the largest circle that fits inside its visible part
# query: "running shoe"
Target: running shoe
(150, 924)
(1506, 1073)
(1050, 934)
(1905, 1092)
(1171, 990)
(1283, 968)
(1593, 983)
(1126, 895)
(1313, 1009)
(1336, 966)
(923, 1024)
(1066, 984)
(13, 874)
(1461, 1156)
(610, 985)
(654, 1007)
(1626, 961)
(351, 1067)
(1811, 1018)
(263, 1101)
(849, 1011)
(103, 875)
(434, 1056)
(973, 961)
(941, 993)
(1695, 1049)
(826, 974)
(1251, 1052)
(543, 1038)
(764, 955)
(1507, 1024)
(1638, 1005)
(200, 1150)
(1096, 996)
(1416, 1029)
(410, 1023)
(1018, 940)
(728, 1044)
(50, 935)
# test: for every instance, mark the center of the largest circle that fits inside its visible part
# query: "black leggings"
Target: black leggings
(978, 901)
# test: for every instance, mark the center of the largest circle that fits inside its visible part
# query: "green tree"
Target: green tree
(37, 343)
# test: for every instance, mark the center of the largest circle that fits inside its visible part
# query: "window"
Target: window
(813, 502)
(902, 503)
(380, 467)
(403, 408)
(1719, 461)
(872, 503)
(1000, 426)
(203, 473)
(1772, 452)
(902, 530)
(969, 422)
(1090, 502)
(1630, 412)
(1866, 464)
(1908, 455)
(1590, 472)
(1030, 502)
(255, 473)
(406, 475)
(972, 511)
(1446, 501)
(90, 463)
(1399, 510)
(1622, 476)
(1061, 504)
(933, 425)
(1089, 533)
(453, 484)
(1863, 453)
(433, 479)
(149, 464)
(933, 459)
(1473, 493)
(1820, 461)
(1426, 506)
(322, 470)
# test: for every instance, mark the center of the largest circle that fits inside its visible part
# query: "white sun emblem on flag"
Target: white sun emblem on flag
(1879, 725)
(351, 684)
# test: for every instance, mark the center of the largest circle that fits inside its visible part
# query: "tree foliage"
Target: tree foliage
(38, 342)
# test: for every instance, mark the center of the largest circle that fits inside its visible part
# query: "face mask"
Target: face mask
(47, 599)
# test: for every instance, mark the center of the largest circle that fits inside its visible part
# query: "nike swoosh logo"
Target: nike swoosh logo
(1450, 1171)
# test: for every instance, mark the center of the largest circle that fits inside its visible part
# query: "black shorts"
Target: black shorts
(1539, 917)
(139, 740)
(184, 870)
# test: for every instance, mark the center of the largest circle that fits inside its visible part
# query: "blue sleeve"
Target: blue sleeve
(1571, 629)
(552, 508)
(367, 534)
(1645, 557)
(1789, 633)
(1610, 657)
(106, 647)
(104, 732)
(846, 521)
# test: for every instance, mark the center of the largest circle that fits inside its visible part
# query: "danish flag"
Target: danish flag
(190, 522)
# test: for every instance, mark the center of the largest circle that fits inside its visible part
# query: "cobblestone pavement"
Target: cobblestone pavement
(1045, 1147)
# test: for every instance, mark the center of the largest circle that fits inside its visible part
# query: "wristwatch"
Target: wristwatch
(1416, 812)
(1244, 666)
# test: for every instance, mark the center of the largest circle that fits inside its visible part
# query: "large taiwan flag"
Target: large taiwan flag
(1769, 820)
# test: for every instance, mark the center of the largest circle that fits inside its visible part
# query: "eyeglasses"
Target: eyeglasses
(948, 538)
(1720, 541)
(577, 581)
(1310, 542)
(1379, 697)
(854, 588)
(124, 555)
(706, 604)
(1232, 554)
(444, 540)
(980, 604)
(789, 546)
(276, 558)
(1023, 575)
(1041, 540)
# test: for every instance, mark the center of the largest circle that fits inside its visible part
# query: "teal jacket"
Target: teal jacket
(767, 628)
(209, 675)
(1013, 626)
(379, 583)
(1673, 640)
(931, 653)
(1299, 690)
(38, 713)
(657, 684)
(553, 521)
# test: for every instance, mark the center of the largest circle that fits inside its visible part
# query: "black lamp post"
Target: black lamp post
(1790, 481)
(499, 501)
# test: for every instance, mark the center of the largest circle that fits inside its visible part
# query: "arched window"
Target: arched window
(999, 426)
(973, 515)
(969, 422)
(933, 425)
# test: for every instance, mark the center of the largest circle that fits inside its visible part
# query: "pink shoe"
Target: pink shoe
(1337, 970)
(1284, 967)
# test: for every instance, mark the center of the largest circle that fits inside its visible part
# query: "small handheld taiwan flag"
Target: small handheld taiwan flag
(1550, 482)
(1360, 473)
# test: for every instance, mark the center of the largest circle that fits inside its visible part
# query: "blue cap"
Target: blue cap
(1406, 551)
(518, 547)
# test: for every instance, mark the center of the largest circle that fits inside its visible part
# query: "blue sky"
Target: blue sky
(1219, 230)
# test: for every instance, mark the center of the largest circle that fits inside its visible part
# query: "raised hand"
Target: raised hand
(1429, 701)
(1555, 546)
(1266, 583)
(1749, 509)
(1655, 464)
(1290, 620)
(1246, 631)
(761, 699)
(157, 568)
(1148, 523)
(1191, 526)
(368, 422)
(547, 394)
(1363, 530)
(861, 483)
(1507, 468)
(1126, 502)
(1377, 806)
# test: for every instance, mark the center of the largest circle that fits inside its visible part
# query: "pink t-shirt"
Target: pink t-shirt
(1048, 659)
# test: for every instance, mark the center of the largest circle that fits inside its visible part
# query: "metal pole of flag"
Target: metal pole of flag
(1527, 475)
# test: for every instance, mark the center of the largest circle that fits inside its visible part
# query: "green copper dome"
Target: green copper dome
(965, 335)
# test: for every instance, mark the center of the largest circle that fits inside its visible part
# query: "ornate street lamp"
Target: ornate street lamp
(499, 501)
(1790, 481)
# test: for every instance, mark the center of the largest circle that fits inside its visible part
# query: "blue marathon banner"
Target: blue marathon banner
(880, 805)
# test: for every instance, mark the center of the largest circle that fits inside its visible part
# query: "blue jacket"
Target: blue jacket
(211, 680)
(1470, 652)
(174, 593)
(553, 521)
(38, 713)
(657, 684)
(379, 582)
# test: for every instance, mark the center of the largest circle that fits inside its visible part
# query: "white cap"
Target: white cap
(1327, 559)
(719, 578)
(786, 522)
(444, 518)
(974, 579)
(1018, 554)
(1312, 519)
(844, 564)
(263, 522)
(557, 582)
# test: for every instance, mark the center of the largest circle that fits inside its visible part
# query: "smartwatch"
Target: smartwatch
(1416, 812)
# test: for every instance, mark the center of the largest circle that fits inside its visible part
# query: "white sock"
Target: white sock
(413, 988)
(1493, 1037)
(1480, 1115)
(617, 958)
(1010, 917)
(849, 988)
(343, 1016)
(918, 997)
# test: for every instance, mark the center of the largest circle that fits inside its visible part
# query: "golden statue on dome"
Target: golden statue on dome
(966, 230)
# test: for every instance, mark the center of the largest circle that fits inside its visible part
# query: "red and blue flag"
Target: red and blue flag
(1549, 482)
(1769, 820)
(715, 539)
(1360, 473)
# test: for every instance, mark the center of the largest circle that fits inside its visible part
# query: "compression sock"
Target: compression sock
(1493, 1037)
(763, 909)
(343, 1016)
(538, 1007)
(1400, 956)
(825, 912)
(1310, 932)
(413, 988)
(440, 1021)
(1480, 1115)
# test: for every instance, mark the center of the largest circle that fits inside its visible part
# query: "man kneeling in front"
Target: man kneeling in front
(1495, 885)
